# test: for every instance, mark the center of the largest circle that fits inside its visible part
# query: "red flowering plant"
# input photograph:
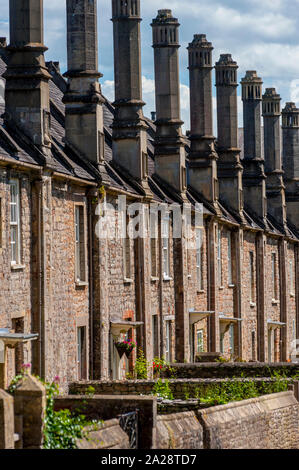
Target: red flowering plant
(158, 366)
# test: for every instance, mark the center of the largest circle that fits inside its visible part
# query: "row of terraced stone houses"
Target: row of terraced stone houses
(68, 294)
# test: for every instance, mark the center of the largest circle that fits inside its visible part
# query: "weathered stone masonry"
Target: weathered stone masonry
(67, 148)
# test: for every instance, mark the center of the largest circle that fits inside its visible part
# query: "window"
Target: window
(270, 345)
(165, 247)
(199, 276)
(232, 339)
(154, 264)
(292, 286)
(222, 343)
(80, 264)
(274, 277)
(219, 257)
(81, 353)
(252, 277)
(15, 229)
(155, 337)
(229, 258)
(200, 341)
(127, 251)
(253, 346)
(168, 341)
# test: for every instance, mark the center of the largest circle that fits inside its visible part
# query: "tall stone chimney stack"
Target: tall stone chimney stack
(229, 166)
(273, 161)
(129, 126)
(290, 132)
(84, 115)
(170, 155)
(202, 158)
(254, 178)
(27, 88)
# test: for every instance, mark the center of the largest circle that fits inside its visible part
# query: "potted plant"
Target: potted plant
(130, 346)
(125, 347)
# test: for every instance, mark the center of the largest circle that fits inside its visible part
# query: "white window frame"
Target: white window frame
(292, 278)
(219, 257)
(229, 258)
(252, 277)
(200, 341)
(15, 223)
(168, 340)
(165, 233)
(199, 253)
(274, 276)
(127, 261)
(80, 255)
(232, 339)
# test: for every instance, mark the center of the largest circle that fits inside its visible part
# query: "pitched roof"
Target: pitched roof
(17, 147)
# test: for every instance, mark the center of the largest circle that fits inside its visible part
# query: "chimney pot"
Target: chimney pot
(3, 42)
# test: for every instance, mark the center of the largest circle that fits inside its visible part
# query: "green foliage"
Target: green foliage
(141, 366)
(222, 360)
(186, 392)
(14, 383)
(90, 391)
(162, 390)
(236, 390)
(160, 365)
(62, 428)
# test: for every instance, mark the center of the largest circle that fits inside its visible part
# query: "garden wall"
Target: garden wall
(110, 436)
(181, 389)
(179, 431)
(110, 407)
(269, 422)
(230, 370)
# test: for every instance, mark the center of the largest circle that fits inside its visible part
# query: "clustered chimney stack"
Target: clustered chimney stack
(129, 126)
(84, 115)
(27, 78)
(290, 132)
(229, 166)
(170, 165)
(273, 161)
(202, 158)
(254, 178)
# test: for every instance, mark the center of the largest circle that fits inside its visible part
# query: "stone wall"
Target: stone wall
(109, 436)
(269, 422)
(108, 407)
(179, 431)
(181, 389)
(231, 370)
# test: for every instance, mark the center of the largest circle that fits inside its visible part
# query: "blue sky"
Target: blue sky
(261, 35)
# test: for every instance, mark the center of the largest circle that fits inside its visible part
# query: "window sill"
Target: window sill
(167, 278)
(189, 276)
(275, 302)
(81, 284)
(252, 304)
(154, 279)
(221, 288)
(17, 267)
(292, 295)
(231, 286)
(128, 281)
(202, 291)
